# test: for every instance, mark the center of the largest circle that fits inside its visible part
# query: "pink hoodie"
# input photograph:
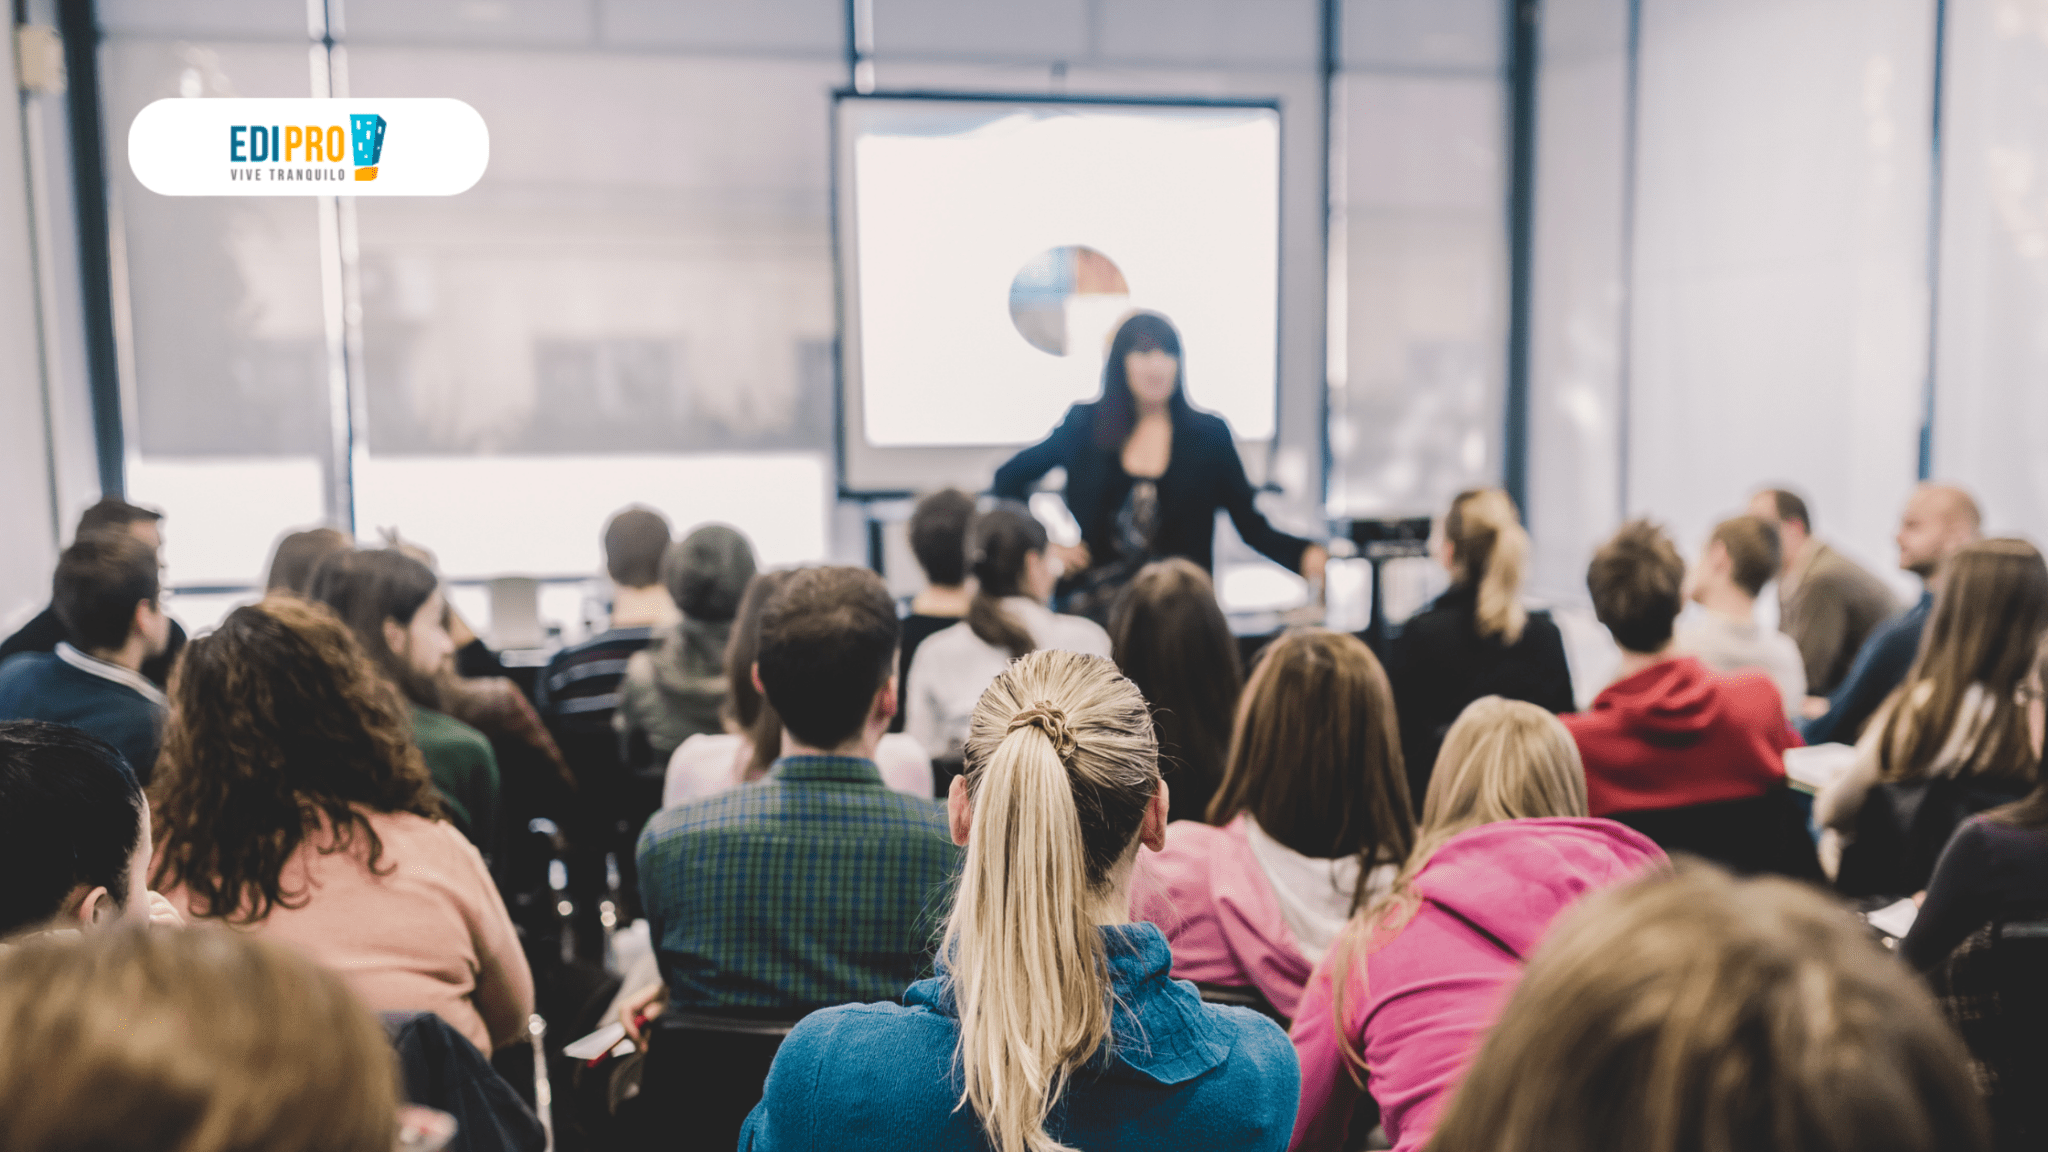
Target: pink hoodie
(1207, 893)
(1429, 993)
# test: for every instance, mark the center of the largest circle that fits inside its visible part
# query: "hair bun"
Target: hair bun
(1048, 719)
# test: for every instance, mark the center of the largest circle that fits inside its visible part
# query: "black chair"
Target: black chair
(600, 843)
(702, 1076)
(1994, 988)
(1902, 828)
(1757, 834)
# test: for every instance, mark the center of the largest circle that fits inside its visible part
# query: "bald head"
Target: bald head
(1939, 520)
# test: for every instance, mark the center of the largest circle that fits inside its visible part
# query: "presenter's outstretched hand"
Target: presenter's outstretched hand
(1072, 557)
(1314, 559)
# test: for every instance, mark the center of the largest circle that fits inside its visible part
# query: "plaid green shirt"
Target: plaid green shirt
(816, 886)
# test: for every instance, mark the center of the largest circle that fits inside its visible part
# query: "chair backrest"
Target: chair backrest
(703, 1074)
(1994, 988)
(1757, 834)
(1903, 826)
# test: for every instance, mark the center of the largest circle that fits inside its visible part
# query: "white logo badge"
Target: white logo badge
(274, 147)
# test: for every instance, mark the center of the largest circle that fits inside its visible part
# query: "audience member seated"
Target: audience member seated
(1051, 1022)
(577, 693)
(1503, 848)
(579, 688)
(43, 632)
(938, 538)
(296, 556)
(1693, 1011)
(1996, 864)
(1167, 633)
(1007, 617)
(674, 688)
(1667, 733)
(1476, 639)
(198, 1041)
(1739, 559)
(1314, 821)
(1951, 739)
(294, 804)
(74, 834)
(107, 595)
(1939, 520)
(394, 605)
(752, 740)
(1989, 891)
(818, 885)
(1827, 603)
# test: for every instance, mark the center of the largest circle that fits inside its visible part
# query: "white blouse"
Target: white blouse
(705, 765)
(953, 668)
(1315, 895)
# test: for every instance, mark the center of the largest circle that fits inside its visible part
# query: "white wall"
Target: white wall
(27, 513)
(1775, 331)
(1992, 346)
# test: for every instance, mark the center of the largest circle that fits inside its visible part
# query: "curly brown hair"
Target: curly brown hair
(279, 724)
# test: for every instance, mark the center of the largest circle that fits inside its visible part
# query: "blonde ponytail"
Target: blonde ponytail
(1490, 550)
(1061, 762)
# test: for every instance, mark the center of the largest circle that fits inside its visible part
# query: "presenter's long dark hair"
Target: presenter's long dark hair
(1117, 412)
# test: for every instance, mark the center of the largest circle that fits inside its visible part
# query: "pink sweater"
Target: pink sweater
(1207, 893)
(429, 935)
(1426, 996)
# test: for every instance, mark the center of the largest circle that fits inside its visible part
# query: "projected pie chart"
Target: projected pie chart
(1066, 300)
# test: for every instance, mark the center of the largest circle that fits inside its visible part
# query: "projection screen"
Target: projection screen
(987, 247)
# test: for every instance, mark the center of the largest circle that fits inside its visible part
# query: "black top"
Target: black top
(42, 633)
(1989, 870)
(1439, 663)
(917, 628)
(1203, 474)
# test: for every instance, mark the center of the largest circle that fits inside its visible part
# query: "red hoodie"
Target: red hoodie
(1676, 734)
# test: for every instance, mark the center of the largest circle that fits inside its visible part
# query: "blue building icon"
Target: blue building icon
(366, 139)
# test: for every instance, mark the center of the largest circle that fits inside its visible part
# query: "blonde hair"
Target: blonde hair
(194, 1040)
(1489, 550)
(1061, 762)
(1501, 760)
(1693, 1011)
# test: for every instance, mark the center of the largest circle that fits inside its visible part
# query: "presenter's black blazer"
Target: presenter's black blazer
(1203, 474)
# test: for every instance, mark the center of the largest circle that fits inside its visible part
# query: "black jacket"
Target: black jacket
(42, 633)
(1204, 474)
(442, 1069)
(1439, 663)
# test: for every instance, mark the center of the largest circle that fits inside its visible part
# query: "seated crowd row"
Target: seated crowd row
(1422, 863)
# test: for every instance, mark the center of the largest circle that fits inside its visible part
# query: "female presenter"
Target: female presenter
(1146, 473)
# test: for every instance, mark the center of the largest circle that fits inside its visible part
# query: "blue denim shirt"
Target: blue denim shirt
(1177, 1073)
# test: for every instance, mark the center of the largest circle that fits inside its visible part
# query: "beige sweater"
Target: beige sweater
(429, 935)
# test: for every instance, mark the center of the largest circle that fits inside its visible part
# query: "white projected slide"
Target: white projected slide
(964, 287)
